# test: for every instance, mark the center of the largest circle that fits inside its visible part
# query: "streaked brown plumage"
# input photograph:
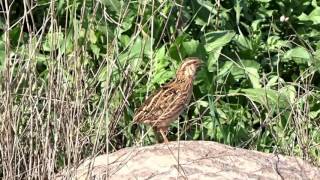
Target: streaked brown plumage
(166, 104)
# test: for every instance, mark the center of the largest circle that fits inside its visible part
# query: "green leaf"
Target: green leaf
(126, 24)
(67, 44)
(175, 51)
(314, 16)
(138, 48)
(190, 47)
(239, 72)
(113, 5)
(208, 5)
(274, 43)
(217, 39)
(95, 49)
(213, 58)
(253, 76)
(314, 114)
(243, 42)
(238, 9)
(289, 92)
(161, 73)
(299, 54)
(266, 97)
(162, 76)
(103, 74)
(272, 81)
(53, 41)
(92, 36)
(225, 68)
(160, 53)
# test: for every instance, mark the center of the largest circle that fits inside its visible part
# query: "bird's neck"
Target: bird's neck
(184, 79)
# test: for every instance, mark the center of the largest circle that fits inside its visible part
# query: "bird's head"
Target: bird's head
(188, 68)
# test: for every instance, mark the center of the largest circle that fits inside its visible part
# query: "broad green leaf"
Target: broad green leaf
(253, 76)
(255, 25)
(113, 5)
(53, 41)
(221, 114)
(208, 5)
(95, 49)
(314, 16)
(275, 43)
(266, 97)
(162, 76)
(238, 72)
(124, 39)
(314, 3)
(314, 114)
(160, 53)
(299, 54)
(250, 63)
(139, 47)
(243, 42)
(272, 81)
(209, 126)
(190, 47)
(161, 73)
(213, 58)
(92, 36)
(103, 74)
(225, 68)
(289, 92)
(175, 51)
(126, 24)
(217, 39)
(67, 45)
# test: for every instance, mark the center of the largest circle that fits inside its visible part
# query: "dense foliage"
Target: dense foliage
(72, 73)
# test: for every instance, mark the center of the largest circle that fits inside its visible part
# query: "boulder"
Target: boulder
(192, 160)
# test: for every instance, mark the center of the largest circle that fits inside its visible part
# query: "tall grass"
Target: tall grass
(53, 111)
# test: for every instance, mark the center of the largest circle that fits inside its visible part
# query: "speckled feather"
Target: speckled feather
(166, 104)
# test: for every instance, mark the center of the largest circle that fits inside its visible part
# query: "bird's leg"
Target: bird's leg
(155, 130)
(165, 139)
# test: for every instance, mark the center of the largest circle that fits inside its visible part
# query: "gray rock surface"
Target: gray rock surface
(192, 160)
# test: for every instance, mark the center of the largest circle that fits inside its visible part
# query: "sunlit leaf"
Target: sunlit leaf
(53, 40)
(253, 76)
(217, 39)
(299, 54)
(265, 97)
(314, 16)
(289, 92)
(213, 58)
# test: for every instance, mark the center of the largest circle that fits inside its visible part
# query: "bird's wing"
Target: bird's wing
(174, 106)
(144, 112)
(164, 105)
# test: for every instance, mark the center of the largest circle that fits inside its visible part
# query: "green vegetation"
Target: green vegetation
(72, 73)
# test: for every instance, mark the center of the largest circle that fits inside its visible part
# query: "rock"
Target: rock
(192, 160)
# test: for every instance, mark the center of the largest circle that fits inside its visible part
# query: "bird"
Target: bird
(166, 104)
